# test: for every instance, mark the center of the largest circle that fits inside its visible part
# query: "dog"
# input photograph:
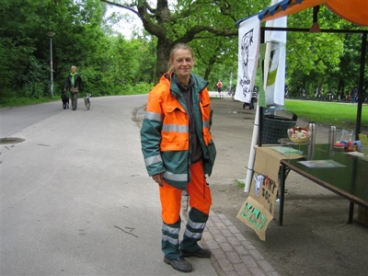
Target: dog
(65, 100)
(87, 101)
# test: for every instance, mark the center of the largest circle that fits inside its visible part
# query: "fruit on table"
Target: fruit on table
(299, 134)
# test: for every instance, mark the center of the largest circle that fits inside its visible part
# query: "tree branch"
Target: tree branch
(121, 6)
(145, 13)
(198, 29)
(149, 25)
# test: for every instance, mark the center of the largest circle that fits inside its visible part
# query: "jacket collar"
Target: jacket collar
(198, 83)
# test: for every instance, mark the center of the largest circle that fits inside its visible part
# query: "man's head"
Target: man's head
(73, 69)
(181, 60)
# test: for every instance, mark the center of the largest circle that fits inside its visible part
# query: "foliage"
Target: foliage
(322, 60)
(109, 64)
(139, 88)
(112, 65)
(20, 101)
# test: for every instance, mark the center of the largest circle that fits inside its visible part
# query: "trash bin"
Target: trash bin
(276, 121)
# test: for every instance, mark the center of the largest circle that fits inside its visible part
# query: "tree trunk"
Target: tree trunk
(209, 67)
(163, 55)
(341, 87)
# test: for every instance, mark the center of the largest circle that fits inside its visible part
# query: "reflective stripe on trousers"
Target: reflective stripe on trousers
(170, 240)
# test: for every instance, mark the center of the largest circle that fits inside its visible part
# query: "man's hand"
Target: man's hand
(158, 179)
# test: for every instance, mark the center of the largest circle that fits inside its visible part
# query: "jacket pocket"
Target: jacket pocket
(174, 114)
(174, 131)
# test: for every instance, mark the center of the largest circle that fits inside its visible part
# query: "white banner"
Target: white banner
(275, 88)
(248, 49)
(275, 61)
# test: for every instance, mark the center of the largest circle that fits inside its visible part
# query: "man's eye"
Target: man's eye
(182, 60)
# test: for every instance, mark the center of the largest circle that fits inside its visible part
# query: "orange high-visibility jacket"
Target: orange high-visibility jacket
(165, 130)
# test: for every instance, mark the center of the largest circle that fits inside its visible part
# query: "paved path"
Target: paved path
(75, 196)
(76, 199)
(234, 254)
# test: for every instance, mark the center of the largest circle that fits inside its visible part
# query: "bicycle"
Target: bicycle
(87, 101)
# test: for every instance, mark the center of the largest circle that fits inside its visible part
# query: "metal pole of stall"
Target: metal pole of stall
(361, 83)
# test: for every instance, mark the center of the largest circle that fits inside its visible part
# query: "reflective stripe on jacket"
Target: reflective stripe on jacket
(165, 130)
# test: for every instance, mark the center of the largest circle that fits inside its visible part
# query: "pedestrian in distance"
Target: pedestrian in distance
(73, 85)
(179, 154)
(219, 87)
(286, 91)
(250, 104)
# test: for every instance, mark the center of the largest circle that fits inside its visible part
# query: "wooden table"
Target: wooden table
(349, 181)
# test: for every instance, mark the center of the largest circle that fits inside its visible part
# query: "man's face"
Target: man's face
(182, 62)
(73, 69)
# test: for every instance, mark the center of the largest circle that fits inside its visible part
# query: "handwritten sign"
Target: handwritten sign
(254, 216)
(258, 209)
(257, 217)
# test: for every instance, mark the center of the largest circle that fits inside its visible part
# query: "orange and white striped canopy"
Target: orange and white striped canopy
(355, 11)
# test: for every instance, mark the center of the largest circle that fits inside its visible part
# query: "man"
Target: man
(219, 87)
(179, 152)
(73, 84)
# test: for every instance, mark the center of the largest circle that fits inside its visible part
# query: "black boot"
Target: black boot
(179, 264)
(199, 253)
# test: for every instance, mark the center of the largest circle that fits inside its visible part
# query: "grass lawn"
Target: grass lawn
(342, 115)
(20, 101)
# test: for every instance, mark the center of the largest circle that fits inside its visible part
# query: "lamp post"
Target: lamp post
(51, 34)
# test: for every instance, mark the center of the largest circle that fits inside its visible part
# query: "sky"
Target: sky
(123, 27)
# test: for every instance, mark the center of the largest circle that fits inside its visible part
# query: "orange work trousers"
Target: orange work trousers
(199, 195)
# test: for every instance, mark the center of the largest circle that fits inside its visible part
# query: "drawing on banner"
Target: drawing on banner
(274, 64)
(248, 51)
(246, 42)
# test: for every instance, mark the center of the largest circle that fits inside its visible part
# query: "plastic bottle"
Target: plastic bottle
(331, 137)
(312, 140)
(349, 146)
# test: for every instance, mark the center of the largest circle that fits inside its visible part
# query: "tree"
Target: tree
(188, 21)
(316, 60)
(349, 68)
